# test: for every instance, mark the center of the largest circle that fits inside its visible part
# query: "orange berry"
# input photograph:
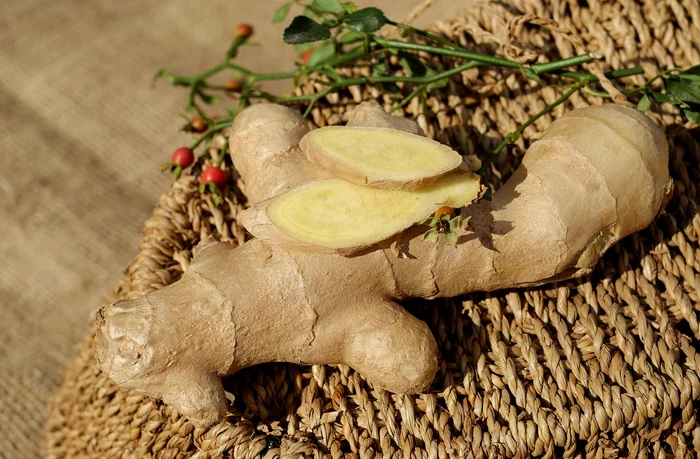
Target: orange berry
(445, 210)
(244, 30)
(305, 57)
(233, 85)
(198, 124)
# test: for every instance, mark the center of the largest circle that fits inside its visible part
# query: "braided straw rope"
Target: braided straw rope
(519, 55)
(606, 366)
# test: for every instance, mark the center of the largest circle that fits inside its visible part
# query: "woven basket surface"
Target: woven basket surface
(604, 366)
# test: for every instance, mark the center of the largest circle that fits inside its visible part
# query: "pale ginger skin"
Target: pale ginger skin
(572, 198)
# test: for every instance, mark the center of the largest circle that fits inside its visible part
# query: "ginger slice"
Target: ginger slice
(379, 157)
(337, 214)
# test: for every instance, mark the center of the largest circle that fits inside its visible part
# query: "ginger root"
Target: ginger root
(597, 175)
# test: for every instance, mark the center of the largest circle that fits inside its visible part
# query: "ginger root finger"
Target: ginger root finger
(562, 208)
(340, 216)
(265, 306)
(264, 143)
(379, 157)
(264, 146)
(392, 348)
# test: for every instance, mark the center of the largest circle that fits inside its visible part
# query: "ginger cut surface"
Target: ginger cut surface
(379, 157)
(337, 214)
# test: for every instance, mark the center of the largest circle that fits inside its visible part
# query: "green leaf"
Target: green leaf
(165, 166)
(164, 74)
(455, 223)
(644, 104)
(305, 30)
(349, 7)
(351, 37)
(328, 6)
(451, 237)
(405, 33)
(430, 221)
(209, 99)
(685, 90)
(302, 48)
(412, 65)
(692, 74)
(662, 98)
(441, 83)
(379, 69)
(692, 116)
(322, 54)
(431, 235)
(366, 20)
(282, 13)
(528, 72)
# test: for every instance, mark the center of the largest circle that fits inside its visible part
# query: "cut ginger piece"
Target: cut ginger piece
(336, 215)
(379, 157)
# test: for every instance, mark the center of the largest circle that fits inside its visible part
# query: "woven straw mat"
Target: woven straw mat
(602, 367)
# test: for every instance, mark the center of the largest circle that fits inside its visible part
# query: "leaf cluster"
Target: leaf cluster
(682, 89)
(443, 224)
(322, 16)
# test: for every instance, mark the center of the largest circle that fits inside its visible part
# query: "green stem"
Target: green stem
(513, 136)
(426, 34)
(407, 99)
(548, 67)
(222, 155)
(482, 58)
(333, 86)
(220, 126)
(193, 80)
(595, 92)
(192, 101)
(399, 79)
(582, 76)
(260, 76)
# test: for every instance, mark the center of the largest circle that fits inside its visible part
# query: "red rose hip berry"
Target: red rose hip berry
(183, 157)
(214, 175)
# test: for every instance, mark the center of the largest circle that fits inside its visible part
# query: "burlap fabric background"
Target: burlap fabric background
(81, 139)
(601, 367)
